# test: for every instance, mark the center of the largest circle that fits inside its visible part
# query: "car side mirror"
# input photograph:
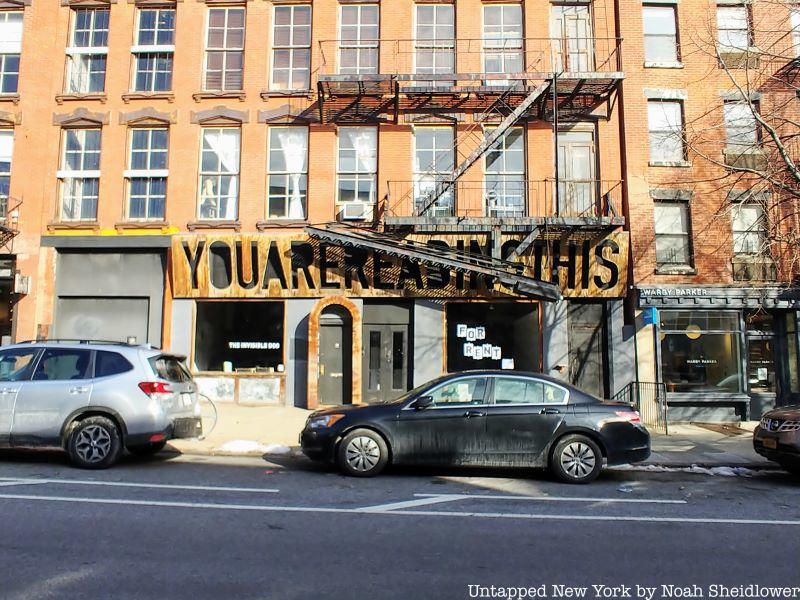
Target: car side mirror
(422, 402)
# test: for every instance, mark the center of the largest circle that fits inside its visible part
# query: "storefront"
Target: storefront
(725, 353)
(285, 319)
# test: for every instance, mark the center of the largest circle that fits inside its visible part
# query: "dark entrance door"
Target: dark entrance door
(386, 350)
(587, 347)
(335, 356)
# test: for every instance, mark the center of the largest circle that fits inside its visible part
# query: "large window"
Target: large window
(6, 152)
(358, 164)
(700, 351)
(291, 48)
(147, 174)
(434, 40)
(10, 49)
(741, 128)
(502, 39)
(504, 184)
(225, 50)
(749, 229)
(358, 39)
(239, 335)
(80, 174)
(665, 125)
(795, 24)
(492, 336)
(733, 28)
(434, 155)
(288, 167)
(660, 33)
(673, 245)
(219, 173)
(87, 51)
(154, 46)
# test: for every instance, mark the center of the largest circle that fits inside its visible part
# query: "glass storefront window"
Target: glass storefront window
(240, 336)
(497, 335)
(760, 329)
(791, 345)
(700, 351)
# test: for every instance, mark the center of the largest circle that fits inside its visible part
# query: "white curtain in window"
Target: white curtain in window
(6, 147)
(225, 144)
(11, 33)
(293, 144)
(365, 142)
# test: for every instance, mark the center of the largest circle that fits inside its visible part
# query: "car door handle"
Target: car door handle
(474, 413)
(8, 390)
(549, 411)
(80, 389)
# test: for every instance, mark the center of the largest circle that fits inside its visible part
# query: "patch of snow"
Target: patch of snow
(277, 449)
(717, 471)
(251, 447)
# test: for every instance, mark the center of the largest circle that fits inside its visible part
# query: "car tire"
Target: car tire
(576, 459)
(94, 443)
(145, 450)
(362, 453)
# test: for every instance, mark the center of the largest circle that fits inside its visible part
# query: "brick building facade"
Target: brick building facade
(182, 172)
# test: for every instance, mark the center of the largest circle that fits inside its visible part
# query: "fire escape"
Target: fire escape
(560, 80)
(9, 221)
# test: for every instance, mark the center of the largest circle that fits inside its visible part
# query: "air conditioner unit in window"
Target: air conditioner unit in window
(356, 211)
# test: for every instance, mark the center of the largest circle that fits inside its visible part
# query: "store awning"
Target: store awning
(508, 273)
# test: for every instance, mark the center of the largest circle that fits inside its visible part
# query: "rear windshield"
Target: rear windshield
(170, 368)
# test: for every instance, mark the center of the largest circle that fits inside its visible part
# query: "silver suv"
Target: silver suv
(95, 398)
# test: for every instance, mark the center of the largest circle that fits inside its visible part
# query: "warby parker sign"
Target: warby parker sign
(295, 266)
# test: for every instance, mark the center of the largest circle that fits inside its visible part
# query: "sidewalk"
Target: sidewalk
(256, 431)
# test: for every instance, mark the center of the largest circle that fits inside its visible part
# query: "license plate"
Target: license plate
(770, 443)
(186, 399)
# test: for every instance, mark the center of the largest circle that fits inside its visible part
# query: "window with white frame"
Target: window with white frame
(147, 174)
(153, 49)
(434, 39)
(502, 38)
(665, 127)
(6, 152)
(288, 168)
(219, 173)
(225, 49)
(734, 32)
(673, 245)
(87, 51)
(357, 168)
(291, 47)
(80, 174)
(10, 49)
(358, 39)
(741, 128)
(660, 33)
(504, 176)
(434, 156)
(749, 229)
(795, 23)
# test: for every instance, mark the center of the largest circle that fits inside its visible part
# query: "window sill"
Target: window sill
(267, 94)
(122, 225)
(670, 163)
(213, 224)
(9, 98)
(72, 225)
(93, 97)
(663, 65)
(238, 95)
(676, 270)
(168, 96)
(280, 223)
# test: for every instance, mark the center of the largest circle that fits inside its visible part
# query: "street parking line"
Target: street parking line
(427, 500)
(552, 498)
(19, 482)
(157, 486)
(404, 513)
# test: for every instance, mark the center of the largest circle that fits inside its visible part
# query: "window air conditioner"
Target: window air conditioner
(356, 211)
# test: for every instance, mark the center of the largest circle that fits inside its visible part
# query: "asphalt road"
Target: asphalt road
(198, 527)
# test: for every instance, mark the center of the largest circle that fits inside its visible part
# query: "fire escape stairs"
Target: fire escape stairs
(441, 187)
(8, 220)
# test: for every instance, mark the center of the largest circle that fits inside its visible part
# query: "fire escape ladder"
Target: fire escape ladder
(8, 219)
(488, 141)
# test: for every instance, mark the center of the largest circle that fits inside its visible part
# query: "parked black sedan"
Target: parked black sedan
(491, 418)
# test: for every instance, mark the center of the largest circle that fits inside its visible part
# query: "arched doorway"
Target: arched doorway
(335, 382)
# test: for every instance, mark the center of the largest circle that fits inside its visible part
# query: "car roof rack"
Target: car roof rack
(79, 341)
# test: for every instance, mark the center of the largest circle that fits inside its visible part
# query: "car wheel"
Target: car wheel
(94, 443)
(362, 453)
(576, 459)
(147, 449)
